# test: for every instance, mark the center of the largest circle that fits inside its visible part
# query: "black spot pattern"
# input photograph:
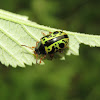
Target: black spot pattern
(63, 40)
(47, 43)
(47, 36)
(61, 32)
(56, 32)
(56, 48)
(50, 36)
(65, 36)
(52, 51)
(42, 38)
(61, 45)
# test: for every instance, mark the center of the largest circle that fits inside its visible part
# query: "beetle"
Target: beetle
(49, 44)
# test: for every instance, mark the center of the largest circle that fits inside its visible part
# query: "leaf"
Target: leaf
(78, 38)
(17, 30)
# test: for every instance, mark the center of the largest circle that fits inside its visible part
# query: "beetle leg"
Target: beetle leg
(51, 56)
(61, 51)
(42, 58)
(37, 43)
(43, 33)
(50, 32)
(36, 58)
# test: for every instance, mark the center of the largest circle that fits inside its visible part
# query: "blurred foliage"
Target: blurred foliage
(76, 78)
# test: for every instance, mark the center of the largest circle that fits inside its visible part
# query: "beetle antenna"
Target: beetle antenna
(28, 47)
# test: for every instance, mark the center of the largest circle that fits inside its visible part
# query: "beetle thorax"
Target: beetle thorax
(40, 49)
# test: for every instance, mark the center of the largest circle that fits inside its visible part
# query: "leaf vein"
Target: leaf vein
(29, 33)
(6, 50)
(12, 38)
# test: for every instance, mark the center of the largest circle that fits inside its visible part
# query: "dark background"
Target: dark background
(76, 78)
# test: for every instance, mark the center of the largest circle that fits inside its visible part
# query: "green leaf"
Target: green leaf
(17, 30)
